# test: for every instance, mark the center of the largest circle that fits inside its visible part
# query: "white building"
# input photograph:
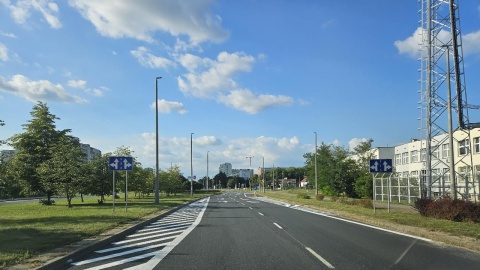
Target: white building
(89, 151)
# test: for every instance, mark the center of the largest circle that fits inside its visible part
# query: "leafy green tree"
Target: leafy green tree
(63, 172)
(220, 179)
(364, 183)
(98, 178)
(35, 147)
(171, 181)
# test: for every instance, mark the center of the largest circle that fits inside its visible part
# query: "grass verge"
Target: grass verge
(29, 229)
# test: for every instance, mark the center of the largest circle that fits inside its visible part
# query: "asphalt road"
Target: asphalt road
(234, 230)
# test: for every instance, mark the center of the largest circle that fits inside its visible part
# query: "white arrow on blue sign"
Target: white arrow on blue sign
(120, 163)
(381, 166)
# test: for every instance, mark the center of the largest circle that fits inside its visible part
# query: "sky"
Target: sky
(252, 78)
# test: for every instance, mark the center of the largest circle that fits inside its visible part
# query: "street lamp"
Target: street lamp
(207, 170)
(191, 165)
(316, 182)
(157, 196)
(263, 173)
(249, 172)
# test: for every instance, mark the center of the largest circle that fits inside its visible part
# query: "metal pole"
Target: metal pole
(453, 186)
(207, 170)
(249, 172)
(113, 192)
(263, 173)
(191, 165)
(316, 180)
(157, 194)
(126, 190)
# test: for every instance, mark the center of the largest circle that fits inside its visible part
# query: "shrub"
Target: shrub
(367, 203)
(421, 205)
(446, 208)
(46, 202)
(303, 196)
(320, 197)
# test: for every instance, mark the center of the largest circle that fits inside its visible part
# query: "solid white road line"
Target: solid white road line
(280, 227)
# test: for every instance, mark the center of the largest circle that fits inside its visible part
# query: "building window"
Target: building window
(445, 150)
(435, 152)
(423, 154)
(398, 159)
(463, 147)
(476, 144)
(405, 158)
(414, 156)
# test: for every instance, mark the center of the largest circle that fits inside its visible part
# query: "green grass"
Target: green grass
(29, 229)
(381, 217)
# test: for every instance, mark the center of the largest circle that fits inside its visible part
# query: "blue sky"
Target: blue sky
(248, 78)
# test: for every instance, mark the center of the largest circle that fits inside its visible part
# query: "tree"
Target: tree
(63, 173)
(363, 184)
(171, 181)
(35, 147)
(98, 178)
(220, 179)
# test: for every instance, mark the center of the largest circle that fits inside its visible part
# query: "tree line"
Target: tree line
(51, 162)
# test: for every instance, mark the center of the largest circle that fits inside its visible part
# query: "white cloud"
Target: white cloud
(34, 91)
(207, 141)
(165, 106)
(245, 100)
(141, 19)
(3, 53)
(81, 84)
(471, 43)
(10, 35)
(207, 77)
(412, 45)
(21, 11)
(354, 142)
(149, 60)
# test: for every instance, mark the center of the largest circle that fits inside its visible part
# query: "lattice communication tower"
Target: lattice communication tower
(443, 102)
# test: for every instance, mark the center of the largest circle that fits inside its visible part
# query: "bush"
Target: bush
(303, 196)
(46, 202)
(446, 208)
(320, 197)
(367, 203)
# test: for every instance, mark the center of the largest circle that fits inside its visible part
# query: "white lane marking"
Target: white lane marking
(146, 238)
(159, 255)
(136, 244)
(320, 258)
(346, 220)
(405, 252)
(243, 203)
(280, 227)
(250, 207)
(260, 214)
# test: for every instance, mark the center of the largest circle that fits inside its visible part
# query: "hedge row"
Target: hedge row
(447, 208)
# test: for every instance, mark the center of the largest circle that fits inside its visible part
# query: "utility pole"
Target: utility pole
(191, 165)
(249, 172)
(316, 181)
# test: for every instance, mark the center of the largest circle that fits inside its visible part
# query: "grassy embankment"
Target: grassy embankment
(28, 229)
(401, 218)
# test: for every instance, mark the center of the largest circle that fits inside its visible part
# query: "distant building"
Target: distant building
(90, 152)
(6, 155)
(226, 168)
(245, 173)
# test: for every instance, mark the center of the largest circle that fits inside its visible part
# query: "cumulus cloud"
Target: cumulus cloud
(245, 100)
(81, 84)
(354, 142)
(3, 53)
(412, 47)
(149, 60)
(10, 35)
(34, 91)
(207, 77)
(165, 106)
(214, 79)
(22, 11)
(141, 19)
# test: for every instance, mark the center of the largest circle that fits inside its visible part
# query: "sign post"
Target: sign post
(120, 164)
(381, 166)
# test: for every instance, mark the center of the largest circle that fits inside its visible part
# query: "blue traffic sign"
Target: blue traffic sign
(381, 166)
(120, 163)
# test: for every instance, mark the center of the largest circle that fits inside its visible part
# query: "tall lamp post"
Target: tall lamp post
(316, 181)
(249, 172)
(157, 196)
(263, 173)
(207, 170)
(191, 165)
